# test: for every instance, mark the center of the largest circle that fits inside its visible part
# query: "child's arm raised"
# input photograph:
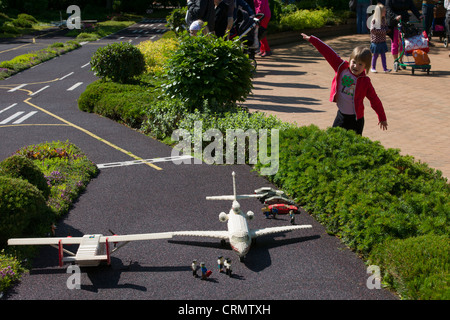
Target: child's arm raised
(327, 52)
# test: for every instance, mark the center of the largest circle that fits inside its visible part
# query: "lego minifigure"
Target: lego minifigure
(204, 270)
(227, 265)
(266, 211)
(194, 268)
(292, 216)
(220, 264)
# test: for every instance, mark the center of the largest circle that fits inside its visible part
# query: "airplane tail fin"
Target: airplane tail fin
(234, 196)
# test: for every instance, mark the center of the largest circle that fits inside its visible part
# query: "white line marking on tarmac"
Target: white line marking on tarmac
(134, 162)
(75, 86)
(18, 87)
(8, 107)
(42, 89)
(66, 76)
(17, 114)
(25, 117)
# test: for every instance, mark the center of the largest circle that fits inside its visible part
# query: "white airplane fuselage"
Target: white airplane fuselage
(240, 238)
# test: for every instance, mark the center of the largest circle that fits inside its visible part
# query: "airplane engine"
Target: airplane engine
(250, 215)
(223, 217)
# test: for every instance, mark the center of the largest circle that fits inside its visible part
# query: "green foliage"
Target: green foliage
(372, 198)
(10, 271)
(33, 58)
(306, 19)
(23, 210)
(156, 53)
(120, 62)
(126, 103)
(23, 168)
(417, 268)
(176, 20)
(211, 69)
(359, 190)
(66, 168)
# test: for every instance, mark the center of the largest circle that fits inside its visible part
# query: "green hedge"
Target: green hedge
(369, 197)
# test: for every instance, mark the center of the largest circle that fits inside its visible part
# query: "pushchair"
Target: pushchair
(412, 41)
(248, 30)
(438, 26)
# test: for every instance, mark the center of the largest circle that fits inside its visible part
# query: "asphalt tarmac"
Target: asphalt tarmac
(307, 264)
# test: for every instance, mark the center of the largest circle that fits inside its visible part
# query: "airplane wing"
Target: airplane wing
(265, 231)
(242, 196)
(136, 237)
(206, 234)
(43, 241)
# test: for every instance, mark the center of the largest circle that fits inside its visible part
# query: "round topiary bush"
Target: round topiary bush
(21, 167)
(120, 62)
(23, 211)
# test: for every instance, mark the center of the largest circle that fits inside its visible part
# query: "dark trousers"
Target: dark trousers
(349, 122)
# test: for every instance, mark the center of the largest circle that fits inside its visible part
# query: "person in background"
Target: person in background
(361, 16)
(262, 6)
(397, 10)
(427, 11)
(378, 45)
(447, 18)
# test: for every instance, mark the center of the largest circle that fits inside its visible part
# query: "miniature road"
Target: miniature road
(306, 264)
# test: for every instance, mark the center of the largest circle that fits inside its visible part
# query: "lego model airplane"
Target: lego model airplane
(238, 234)
(93, 248)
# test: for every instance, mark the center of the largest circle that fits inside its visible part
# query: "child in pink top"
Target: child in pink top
(350, 86)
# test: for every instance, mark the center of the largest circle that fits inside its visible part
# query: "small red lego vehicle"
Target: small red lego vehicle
(282, 208)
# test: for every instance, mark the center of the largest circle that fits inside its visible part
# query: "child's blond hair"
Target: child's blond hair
(362, 54)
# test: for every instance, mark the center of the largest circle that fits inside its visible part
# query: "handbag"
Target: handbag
(417, 42)
(352, 5)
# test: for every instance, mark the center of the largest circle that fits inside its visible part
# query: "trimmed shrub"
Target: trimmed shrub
(417, 268)
(360, 191)
(22, 168)
(207, 69)
(23, 211)
(120, 62)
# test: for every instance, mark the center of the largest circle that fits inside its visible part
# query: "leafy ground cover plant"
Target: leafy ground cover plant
(67, 171)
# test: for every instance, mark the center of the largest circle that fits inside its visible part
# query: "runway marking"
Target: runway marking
(15, 115)
(18, 87)
(143, 161)
(66, 76)
(27, 101)
(75, 86)
(35, 125)
(25, 117)
(7, 108)
(42, 89)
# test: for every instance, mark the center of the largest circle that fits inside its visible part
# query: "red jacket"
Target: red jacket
(363, 87)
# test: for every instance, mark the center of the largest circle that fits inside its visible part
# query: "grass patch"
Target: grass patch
(28, 60)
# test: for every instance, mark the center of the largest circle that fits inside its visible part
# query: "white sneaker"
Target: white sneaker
(373, 70)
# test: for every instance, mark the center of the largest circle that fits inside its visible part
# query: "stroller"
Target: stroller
(248, 30)
(413, 42)
(438, 26)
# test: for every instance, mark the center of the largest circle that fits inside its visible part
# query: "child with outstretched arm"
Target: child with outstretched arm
(350, 86)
